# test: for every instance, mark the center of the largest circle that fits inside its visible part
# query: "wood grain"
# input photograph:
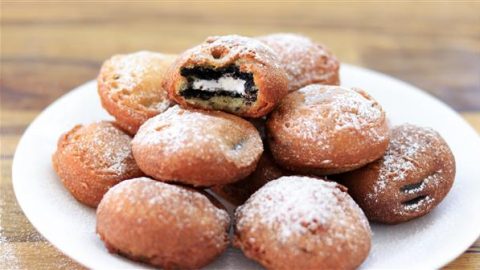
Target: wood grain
(49, 48)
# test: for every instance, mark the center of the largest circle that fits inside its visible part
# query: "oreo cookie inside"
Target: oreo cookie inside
(205, 83)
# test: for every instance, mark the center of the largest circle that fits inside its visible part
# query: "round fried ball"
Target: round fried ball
(299, 222)
(304, 61)
(130, 87)
(413, 176)
(195, 147)
(325, 130)
(92, 158)
(165, 225)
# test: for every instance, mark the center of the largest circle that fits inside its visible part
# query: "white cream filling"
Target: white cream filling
(225, 83)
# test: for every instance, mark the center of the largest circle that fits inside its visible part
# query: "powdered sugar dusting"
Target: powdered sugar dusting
(146, 192)
(414, 175)
(178, 129)
(133, 69)
(295, 206)
(19, 242)
(8, 256)
(392, 170)
(236, 47)
(107, 148)
(127, 69)
(415, 207)
(135, 80)
(304, 61)
(350, 109)
(402, 158)
(347, 109)
(330, 110)
(309, 124)
(117, 156)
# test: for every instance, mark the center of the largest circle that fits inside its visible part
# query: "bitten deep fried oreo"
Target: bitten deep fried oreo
(238, 192)
(304, 61)
(235, 74)
(413, 177)
(195, 147)
(164, 225)
(302, 223)
(91, 159)
(130, 87)
(327, 129)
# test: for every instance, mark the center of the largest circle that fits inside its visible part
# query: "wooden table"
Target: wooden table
(47, 49)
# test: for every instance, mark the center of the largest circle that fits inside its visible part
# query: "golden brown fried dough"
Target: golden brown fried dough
(195, 147)
(164, 225)
(304, 61)
(413, 177)
(130, 87)
(91, 159)
(302, 223)
(325, 130)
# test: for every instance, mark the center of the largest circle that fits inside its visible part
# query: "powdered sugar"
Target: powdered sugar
(402, 159)
(392, 169)
(236, 47)
(135, 80)
(433, 179)
(19, 242)
(128, 69)
(118, 156)
(348, 108)
(135, 68)
(8, 256)
(178, 130)
(106, 147)
(304, 61)
(413, 176)
(294, 206)
(416, 206)
(340, 108)
(148, 193)
(319, 122)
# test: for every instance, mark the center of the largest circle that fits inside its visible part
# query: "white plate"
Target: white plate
(425, 243)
